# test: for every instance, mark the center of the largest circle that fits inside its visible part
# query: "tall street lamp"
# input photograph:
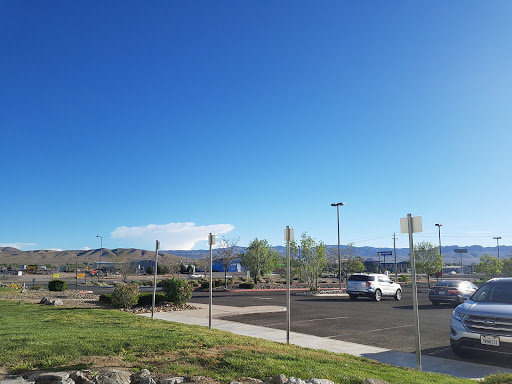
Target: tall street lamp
(498, 244)
(440, 253)
(337, 205)
(101, 253)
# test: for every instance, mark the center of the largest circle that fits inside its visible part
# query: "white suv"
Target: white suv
(373, 285)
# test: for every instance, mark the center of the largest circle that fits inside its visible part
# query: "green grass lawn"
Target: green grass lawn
(60, 338)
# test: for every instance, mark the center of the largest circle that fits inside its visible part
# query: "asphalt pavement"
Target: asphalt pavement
(404, 359)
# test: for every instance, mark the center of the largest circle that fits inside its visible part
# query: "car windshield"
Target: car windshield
(361, 278)
(494, 292)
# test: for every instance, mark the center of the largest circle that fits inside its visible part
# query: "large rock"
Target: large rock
(13, 380)
(80, 377)
(54, 378)
(173, 380)
(319, 381)
(114, 377)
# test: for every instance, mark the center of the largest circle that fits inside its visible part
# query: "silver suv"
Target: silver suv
(484, 321)
(373, 285)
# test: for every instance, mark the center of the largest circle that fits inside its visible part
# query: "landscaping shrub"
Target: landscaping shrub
(57, 286)
(176, 290)
(403, 278)
(125, 295)
(498, 378)
(218, 283)
(147, 299)
(106, 298)
(246, 286)
(36, 288)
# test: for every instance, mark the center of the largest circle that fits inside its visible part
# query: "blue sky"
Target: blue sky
(168, 120)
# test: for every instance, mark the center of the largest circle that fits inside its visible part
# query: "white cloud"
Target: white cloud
(54, 249)
(17, 245)
(172, 236)
(85, 249)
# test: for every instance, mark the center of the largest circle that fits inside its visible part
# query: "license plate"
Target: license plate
(490, 340)
(442, 292)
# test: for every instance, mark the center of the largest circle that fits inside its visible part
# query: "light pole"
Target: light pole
(337, 205)
(101, 253)
(498, 244)
(76, 272)
(440, 253)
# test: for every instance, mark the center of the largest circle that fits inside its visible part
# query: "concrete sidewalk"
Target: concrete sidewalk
(403, 359)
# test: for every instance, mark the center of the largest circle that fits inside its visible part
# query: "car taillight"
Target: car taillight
(432, 290)
(453, 292)
(368, 284)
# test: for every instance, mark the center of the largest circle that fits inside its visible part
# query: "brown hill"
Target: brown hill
(14, 256)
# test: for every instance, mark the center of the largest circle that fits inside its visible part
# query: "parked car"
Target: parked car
(484, 321)
(451, 291)
(373, 285)
(196, 276)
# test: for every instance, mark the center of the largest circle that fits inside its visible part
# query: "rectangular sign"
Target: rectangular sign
(288, 234)
(416, 225)
(81, 275)
(56, 275)
(387, 253)
(460, 250)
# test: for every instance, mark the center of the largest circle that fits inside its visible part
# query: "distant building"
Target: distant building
(234, 266)
(141, 266)
(372, 266)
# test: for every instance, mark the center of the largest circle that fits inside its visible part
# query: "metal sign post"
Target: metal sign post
(154, 279)
(211, 242)
(385, 253)
(410, 225)
(461, 251)
(288, 236)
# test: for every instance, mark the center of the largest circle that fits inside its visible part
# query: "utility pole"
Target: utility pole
(394, 251)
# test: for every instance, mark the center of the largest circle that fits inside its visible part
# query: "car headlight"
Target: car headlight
(458, 315)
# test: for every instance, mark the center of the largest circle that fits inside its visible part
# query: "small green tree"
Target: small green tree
(507, 267)
(310, 256)
(259, 258)
(176, 290)
(57, 285)
(163, 269)
(489, 266)
(125, 295)
(150, 270)
(427, 258)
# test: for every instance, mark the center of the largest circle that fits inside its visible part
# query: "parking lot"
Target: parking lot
(387, 324)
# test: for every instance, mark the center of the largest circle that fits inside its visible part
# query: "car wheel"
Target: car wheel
(352, 297)
(398, 294)
(378, 295)
(435, 303)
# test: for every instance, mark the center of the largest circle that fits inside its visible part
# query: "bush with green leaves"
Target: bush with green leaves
(57, 286)
(176, 290)
(146, 299)
(498, 378)
(246, 286)
(403, 278)
(106, 298)
(125, 295)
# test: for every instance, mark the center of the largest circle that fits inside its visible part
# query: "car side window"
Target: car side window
(382, 279)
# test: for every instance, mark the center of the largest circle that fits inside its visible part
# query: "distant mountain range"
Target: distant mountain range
(9, 255)
(474, 252)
